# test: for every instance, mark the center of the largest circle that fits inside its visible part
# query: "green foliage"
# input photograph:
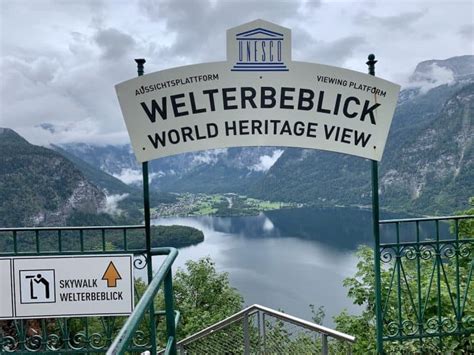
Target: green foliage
(176, 236)
(81, 218)
(466, 227)
(133, 203)
(318, 315)
(203, 296)
(362, 291)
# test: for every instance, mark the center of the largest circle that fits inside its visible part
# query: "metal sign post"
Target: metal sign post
(146, 212)
(376, 229)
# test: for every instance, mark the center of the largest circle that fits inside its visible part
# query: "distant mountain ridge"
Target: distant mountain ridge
(427, 165)
(218, 170)
(98, 177)
(461, 67)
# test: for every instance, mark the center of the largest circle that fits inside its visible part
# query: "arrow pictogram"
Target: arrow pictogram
(111, 275)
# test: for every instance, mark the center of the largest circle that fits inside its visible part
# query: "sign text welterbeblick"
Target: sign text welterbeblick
(258, 97)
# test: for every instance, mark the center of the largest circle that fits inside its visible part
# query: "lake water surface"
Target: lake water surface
(285, 259)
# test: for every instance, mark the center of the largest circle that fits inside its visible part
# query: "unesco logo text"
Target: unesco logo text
(259, 50)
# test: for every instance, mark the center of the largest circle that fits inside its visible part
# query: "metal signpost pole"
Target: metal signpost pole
(375, 220)
(146, 208)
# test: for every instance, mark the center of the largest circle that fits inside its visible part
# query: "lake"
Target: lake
(285, 259)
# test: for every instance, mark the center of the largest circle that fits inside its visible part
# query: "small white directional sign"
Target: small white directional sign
(63, 286)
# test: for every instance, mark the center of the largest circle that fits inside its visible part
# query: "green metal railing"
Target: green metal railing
(427, 283)
(94, 334)
(123, 339)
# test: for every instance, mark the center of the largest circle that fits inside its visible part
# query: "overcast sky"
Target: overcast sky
(60, 60)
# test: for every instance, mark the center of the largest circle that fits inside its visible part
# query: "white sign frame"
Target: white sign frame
(245, 101)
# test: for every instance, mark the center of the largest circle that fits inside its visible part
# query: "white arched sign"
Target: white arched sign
(258, 97)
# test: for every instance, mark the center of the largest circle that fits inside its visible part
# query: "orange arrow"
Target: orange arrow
(111, 275)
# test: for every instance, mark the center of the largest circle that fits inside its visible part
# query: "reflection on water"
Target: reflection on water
(286, 259)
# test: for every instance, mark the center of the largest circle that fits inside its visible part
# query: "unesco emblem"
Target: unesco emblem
(259, 46)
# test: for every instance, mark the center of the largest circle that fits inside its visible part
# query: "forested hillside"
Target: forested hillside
(39, 186)
(428, 161)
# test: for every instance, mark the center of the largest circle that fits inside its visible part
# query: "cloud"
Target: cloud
(268, 226)
(72, 92)
(199, 25)
(130, 176)
(111, 204)
(467, 32)
(333, 53)
(267, 161)
(433, 76)
(114, 43)
(60, 60)
(208, 156)
(84, 131)
(133, 177)
(399, 22)
(48, 127)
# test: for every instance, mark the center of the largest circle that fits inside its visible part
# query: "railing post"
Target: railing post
(324, 341)
(264, 333)
(146, 211)
(376, 229)
(245, 321)
(170, 316)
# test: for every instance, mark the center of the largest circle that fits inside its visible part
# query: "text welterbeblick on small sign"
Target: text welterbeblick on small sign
(258, 97)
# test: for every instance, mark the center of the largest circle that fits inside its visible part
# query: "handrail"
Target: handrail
(426, 242)
(304, 323)
(121, 341)
(31, 229)
(254, 308)
(424, 219)
(58, 248)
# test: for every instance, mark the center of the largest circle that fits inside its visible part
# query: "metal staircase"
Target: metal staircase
(261, 330)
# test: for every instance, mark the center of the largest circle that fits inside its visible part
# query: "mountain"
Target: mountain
(112, 159)
(109, 184)
(219, 170)
(460, 68)
(428, 161)
(426, 168)
(39, 186)
(123, 202)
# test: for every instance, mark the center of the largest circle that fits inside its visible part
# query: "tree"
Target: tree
(203, 296)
